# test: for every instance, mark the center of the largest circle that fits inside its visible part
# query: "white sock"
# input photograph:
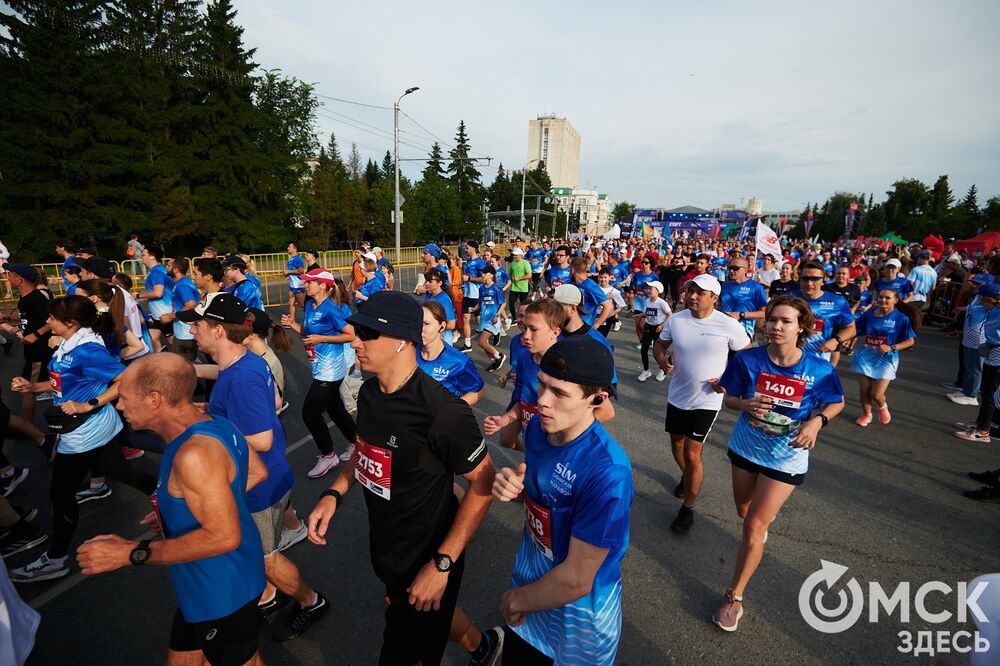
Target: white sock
(468, 342)
(268, 600)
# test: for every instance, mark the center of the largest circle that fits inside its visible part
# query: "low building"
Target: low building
(593, 207)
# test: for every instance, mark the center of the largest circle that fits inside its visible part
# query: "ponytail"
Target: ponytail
(279, 339)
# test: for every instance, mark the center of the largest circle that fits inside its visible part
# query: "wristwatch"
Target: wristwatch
(743, 316)
(140, 553)
(824, 420)
(335, 494)
(94, 403)
(443, 562)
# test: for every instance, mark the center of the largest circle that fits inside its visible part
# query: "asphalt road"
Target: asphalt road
(884, 501)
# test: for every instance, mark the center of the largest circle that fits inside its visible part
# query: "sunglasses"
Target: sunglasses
(365, 333)
(737, 268)
(646, 263)
(810, 278)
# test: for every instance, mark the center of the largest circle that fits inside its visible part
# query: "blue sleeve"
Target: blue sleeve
(600, 516)
(189, 293)
(845, 317)
(449, 310)
(861, 324)
(158, 277)
(736, 377)
(297, 262)
(246, 414)
(468, 379)
(905, 331)
(98, 363)
(828, 389)
(760, 296)
(370, 287)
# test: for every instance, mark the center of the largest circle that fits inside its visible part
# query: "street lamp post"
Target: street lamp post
(395, 135)
(524, 176)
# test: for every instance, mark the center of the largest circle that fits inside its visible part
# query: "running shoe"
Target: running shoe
(323, 465)
(13, 480)
(294, 624)
(644, 375)
(951, 386)
(990, 477)
(466, 348)
(618, 326)
(495, 339)
(660, 376)
(348, 454)
(495, 636)
(91, 493)
(15, 541)
(965, 425)
(883, 414)
(679, 490)
(637, 347)
(864, 420)
(44, 397)
(989, 494)
(132, 454)
(291, 537)
(972, 436)
(276, 603)
(41, 569)
(500, 361)
(729, 613)
(960, 398)
(682, 523)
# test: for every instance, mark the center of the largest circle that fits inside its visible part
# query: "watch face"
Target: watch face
(139, 555)
(443, 562)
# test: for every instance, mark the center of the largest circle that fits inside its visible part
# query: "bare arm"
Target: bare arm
(606, 307)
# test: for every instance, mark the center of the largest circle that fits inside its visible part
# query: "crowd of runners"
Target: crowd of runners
(185, 367)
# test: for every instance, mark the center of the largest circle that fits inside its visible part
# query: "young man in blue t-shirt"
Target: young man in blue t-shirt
(491, 307)
(564, 605)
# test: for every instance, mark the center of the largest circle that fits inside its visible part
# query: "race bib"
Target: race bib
(876, 341)
(527, 411)
(373, 467)
(154, 501)
(56, 379)
(556, 282)
(539, 522)
(311, 353)
(819, 325)
(783, 391)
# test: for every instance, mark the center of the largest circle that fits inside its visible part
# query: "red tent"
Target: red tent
(981, 244)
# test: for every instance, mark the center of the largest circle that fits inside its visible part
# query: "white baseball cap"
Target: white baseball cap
(657, 285)
(517, 250)
(568, 294)
(370, 255)
(705, 282)
(491, 244)
(894, 262)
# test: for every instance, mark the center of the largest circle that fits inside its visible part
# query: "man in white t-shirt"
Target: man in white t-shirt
(702, 338)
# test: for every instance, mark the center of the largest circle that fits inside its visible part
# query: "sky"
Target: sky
(677, 103)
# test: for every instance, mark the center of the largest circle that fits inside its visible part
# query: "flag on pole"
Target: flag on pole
(767, 240)
(647, 230)
(809, 223)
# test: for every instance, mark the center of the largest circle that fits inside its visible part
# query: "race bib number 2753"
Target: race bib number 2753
(373, 467)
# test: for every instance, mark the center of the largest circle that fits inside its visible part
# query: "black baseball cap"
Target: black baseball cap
(233, 260)
(218, 306)
(261, 322)
(581, 360)
(436, 274)
(99, 266)
(26, 271)
(393, 313)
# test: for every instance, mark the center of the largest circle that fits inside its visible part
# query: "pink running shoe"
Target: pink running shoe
(883, 414)
(863, 420)
(729, 613)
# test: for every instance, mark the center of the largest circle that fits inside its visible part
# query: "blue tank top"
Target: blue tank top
(216, 586)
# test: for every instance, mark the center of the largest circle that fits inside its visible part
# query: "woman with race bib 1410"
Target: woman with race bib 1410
(784, 396)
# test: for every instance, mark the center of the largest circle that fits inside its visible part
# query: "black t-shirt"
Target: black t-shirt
(33, 308)
(779, 288)
(410, 445)
(850, 291)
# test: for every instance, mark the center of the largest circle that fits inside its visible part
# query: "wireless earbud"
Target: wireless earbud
(599, 400)
(400, 347)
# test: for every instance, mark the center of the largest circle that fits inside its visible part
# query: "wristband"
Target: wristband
(825, 420)
(335, 494)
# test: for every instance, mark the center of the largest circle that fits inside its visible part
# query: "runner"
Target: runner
(595, 303)
(413, 437)
(84, 376)
(472, 277)
(558, 271)
(239, 285)
(924, 280)
(742, 298)
(158, 295)
(125, 336)
(208, 275)
(832, 317)
(979, 430)
(489, 311)
(657, 312)
(510, 435)
(202, 512)
(970, 362)
(520, 278)
(570, 297)
(184, 296)
(891, 279)
(444, 363)
(323, 332)
(614, 296)
(768, 272)
(786, 283)
(433, 290)
(294, 269)
(244, 394)
(640, 279)
(536, 257)
(785, 395)
(702, 338)
(887, 329)
(576, 484)
(375, 279)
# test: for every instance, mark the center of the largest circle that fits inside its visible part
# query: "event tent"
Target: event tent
(980, 244)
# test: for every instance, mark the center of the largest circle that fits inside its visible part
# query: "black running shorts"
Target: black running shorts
(694, 424)
(754, 468)
(227, 641)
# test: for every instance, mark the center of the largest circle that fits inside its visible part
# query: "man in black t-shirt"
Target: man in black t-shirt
(31, 329)
(413, 437)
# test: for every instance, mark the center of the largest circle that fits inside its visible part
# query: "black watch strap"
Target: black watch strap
(822, 417)
(140, 553)
(335, 494)
(94, 402)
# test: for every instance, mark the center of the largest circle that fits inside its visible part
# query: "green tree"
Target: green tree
(433, 209)
(388, 171)
(941, 200)
(623, 210)
(991, 213)
(906, 208)
(465, 180)
(372, 175)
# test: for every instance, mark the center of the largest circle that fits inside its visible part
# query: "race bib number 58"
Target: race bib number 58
(539, 522)
(373, 467)
(784, 391)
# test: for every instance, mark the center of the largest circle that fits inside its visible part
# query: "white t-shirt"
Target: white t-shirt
(614, 296)
(768, 276)
(701, 350)
(656, 312)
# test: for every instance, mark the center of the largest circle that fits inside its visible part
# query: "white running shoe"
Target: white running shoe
(291, 537)
(960, 398)
(618, 326)
(660, 376)
(41, 569)
(323, 465)
(349, 453)
(644, 375)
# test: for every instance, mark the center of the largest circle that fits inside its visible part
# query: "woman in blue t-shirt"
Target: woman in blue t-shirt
(887, 329)
(784, 396)
(452, 368)
(84, 377)
(324, 334)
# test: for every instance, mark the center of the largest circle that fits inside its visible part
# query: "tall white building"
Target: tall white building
(554, 141)
(594, 208)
